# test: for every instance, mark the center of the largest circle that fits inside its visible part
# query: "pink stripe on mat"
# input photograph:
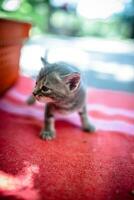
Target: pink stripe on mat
(27, 111)
(21, 98)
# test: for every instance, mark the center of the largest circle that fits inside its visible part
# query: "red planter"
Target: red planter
(12, 36)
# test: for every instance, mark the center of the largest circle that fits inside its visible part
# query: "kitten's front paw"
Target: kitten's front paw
(30, 100)
(89, 128)
(47, 135)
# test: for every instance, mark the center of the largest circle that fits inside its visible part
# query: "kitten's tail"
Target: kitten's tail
(46, 54)
(45, 59)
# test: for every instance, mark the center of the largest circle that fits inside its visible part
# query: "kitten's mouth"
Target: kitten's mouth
(44, 99)
(37, 98)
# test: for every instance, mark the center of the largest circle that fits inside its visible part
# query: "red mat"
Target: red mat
(75, 165)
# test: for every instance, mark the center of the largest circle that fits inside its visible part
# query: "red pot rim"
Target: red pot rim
(3, 20)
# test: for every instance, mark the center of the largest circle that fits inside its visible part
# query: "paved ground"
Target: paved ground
(107, 64)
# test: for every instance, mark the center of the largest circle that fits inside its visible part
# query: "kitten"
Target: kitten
(60, 86)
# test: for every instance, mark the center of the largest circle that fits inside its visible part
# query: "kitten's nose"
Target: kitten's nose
(34, 93)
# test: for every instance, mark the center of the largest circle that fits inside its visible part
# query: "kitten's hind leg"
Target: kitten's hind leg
(86, 126)
(31, 100)
(48, 132)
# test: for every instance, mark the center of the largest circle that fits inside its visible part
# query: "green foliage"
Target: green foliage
(34, 11)
(45, 18)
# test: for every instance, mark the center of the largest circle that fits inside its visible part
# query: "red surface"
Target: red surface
(75, 165)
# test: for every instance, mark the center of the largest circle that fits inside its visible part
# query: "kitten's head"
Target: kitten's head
(56, 82)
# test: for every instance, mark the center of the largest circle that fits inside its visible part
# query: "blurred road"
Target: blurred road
(107, 64)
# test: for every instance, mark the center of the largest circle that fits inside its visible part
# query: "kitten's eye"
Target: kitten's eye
(45, 89)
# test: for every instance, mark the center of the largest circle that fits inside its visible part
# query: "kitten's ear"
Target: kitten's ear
(72, 81)
(40, 74)
(42, 70)
(44, 61)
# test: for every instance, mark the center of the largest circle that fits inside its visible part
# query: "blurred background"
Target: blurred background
(97, 18)
(96, 35)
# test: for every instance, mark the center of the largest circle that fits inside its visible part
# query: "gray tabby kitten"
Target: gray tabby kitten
(60, 86)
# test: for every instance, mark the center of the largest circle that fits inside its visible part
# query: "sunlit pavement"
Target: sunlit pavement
(106, 64)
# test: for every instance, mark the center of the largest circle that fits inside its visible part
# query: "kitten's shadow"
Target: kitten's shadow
(60, 123)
